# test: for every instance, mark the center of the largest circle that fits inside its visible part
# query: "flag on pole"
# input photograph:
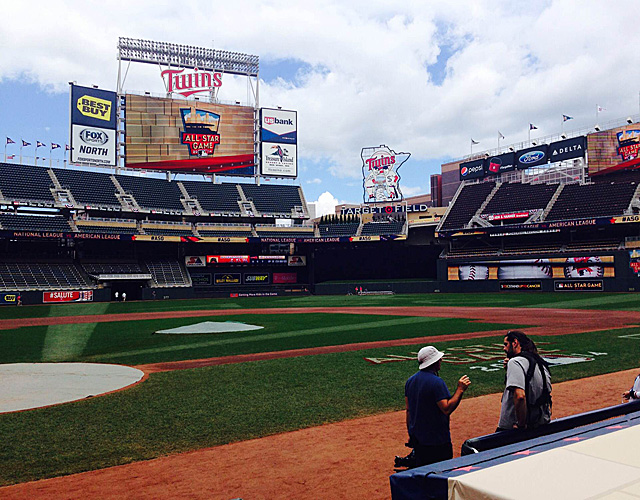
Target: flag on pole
(25, 143)
(67, 147)
(54, 145)
(566, 117)
(500, 135)
(532, 127)
(600, 109)
(474, 142)
(10, 141)
(40, 144)
(11, 157)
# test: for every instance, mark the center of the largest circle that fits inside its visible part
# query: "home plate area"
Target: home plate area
(210, 327)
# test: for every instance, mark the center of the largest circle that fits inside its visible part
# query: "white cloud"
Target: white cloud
(314, 181)
(325, 204)
(411, 190)
(368, 82)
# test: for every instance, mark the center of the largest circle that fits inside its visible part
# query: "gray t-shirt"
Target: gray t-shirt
(516, 369)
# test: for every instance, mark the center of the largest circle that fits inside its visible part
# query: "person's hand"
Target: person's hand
(504, 363)
(464, 383)
(626, 395)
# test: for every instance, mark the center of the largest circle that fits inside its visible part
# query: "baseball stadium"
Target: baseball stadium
(167, 332)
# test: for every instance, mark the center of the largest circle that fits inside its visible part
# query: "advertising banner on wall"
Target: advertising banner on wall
(532, 157)
(195, 261)
(9, 298)
(256, 278)
(227, 279)
(568, 149)
(279, 278)
(279, 160)
(93, 135)
(279, 126)
(68, 296)
(94, 146)
(189, 136)
(500, 163)
(472, 170)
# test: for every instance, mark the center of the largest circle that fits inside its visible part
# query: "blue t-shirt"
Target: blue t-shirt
(427, 423)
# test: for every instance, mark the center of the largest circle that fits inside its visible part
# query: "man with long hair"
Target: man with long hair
(526, 401)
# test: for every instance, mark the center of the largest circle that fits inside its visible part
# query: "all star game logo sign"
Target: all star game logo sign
(381, 180)
(200, 131)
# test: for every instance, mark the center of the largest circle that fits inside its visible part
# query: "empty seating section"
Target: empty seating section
(205, 230)
(273, 199)
(25, 182)
(214, 197)
(591, 200)
(110, 226)
(338, 229)
(379, 228)
(167, 273)
(168, 229)
(54, 223)
(279, 232)
(97, 268)
(467, 204)
(89, 188)
(41, 276)
(514, 197)
(152, 193)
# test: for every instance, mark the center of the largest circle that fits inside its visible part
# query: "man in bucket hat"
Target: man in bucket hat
(429, 404)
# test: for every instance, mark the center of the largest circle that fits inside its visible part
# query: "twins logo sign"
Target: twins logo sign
(381, 180)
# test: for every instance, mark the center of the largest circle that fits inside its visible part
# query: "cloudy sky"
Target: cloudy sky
(421, 77)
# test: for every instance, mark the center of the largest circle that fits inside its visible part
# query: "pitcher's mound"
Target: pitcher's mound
(32, 385)
(211, 327)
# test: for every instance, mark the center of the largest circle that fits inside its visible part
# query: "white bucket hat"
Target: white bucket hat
(428, 356)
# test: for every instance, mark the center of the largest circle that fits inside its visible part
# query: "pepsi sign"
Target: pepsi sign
(472, 170)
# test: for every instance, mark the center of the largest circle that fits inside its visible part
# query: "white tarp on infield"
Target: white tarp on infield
(31, 385)
(211, 327)
(603, 467)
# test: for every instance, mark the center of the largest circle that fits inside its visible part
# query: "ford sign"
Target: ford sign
(531, 157)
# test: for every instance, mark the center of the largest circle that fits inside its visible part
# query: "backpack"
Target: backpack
(544, 400)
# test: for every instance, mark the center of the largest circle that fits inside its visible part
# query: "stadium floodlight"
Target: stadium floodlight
(629, 120)
(564, 136)
(597, 128)
(187, 56)
(511, 149)
(534, 143)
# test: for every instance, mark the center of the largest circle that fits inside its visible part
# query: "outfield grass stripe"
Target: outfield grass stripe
(272, 336)
(65, 342)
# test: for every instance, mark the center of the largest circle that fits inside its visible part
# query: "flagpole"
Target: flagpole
(21, 153)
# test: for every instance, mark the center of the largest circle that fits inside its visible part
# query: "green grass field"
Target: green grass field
(190, 409)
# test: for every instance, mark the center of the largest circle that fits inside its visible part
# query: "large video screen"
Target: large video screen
(188, 135)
